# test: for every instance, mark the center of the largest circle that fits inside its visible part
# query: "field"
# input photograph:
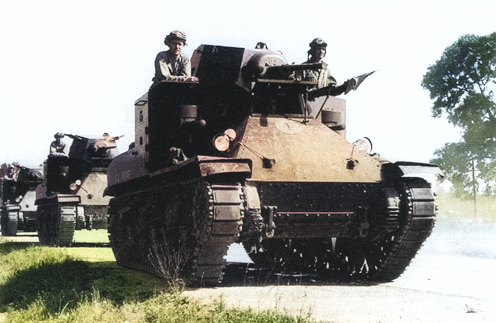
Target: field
(84, 284)
(454, 209)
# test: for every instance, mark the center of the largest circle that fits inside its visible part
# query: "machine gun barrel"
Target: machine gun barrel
(331, 90)
(75, 137)
(295, 67)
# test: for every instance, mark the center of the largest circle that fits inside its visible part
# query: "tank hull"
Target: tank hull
(72, 193)
(178, 224)
(18, 211)
(245, 156)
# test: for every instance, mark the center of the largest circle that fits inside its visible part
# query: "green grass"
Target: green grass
(84, 284)
(457, 209)
(92, 236)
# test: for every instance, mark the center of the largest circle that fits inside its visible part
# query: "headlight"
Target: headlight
(222, 142)
(364, 144)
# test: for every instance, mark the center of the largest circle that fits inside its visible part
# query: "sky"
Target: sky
(78, 67)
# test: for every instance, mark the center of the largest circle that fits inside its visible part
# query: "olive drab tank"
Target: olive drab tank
(18, 201)
(250, 154)
(71, 196)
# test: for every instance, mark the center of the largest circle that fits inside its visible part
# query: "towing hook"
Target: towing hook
(363, 229)
(268, 214)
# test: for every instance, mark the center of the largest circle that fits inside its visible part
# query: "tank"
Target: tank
(18, 201)
(71, 196)
(253, 154)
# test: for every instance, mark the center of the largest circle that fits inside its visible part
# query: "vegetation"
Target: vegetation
(46, 284)
(462, 85)
(463, 210)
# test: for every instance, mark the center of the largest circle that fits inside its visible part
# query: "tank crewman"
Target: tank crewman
(17, 170)
(316, 53)
(110, 141)
(57, 147)
(326, 83)
(172, 64)
(9, 187)
(106, 142)
(10, 174)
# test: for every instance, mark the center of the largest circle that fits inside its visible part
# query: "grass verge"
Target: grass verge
(46, 284)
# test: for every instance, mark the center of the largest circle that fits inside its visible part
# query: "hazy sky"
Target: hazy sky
(78, 67)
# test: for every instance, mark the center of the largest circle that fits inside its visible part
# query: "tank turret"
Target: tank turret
(255, 153)
(72, 193)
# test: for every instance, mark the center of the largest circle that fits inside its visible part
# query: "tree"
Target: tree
(454, 159)
(462, 84)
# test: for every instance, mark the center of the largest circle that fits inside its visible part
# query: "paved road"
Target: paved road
(452, 279)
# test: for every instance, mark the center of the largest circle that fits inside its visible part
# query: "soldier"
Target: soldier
(9, 185)
(57, 147)
(317, 51)
(9, 175)
(326, 83)
(107, 143)
(172, 64)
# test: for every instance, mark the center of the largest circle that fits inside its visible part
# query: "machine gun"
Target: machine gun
(293, 72)
(332, 90)
(75, 137)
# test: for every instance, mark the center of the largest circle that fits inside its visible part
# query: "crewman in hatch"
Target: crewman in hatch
(172, 64)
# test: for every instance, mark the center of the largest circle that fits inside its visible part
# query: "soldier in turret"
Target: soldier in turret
(106, 142)
(9, 185)
(317, 51)
(57, 147)
(172, 64)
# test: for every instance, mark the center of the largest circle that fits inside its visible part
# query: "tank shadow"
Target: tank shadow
(246, 274)
(90, 245)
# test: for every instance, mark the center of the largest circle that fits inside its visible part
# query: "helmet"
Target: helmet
(318, 42)
(175, 35)
(58, 135)
(261, 45)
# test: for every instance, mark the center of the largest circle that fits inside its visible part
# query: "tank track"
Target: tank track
(419, 210)
(9, 221)
(56, 224)
(381, 259)
(177, 230)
